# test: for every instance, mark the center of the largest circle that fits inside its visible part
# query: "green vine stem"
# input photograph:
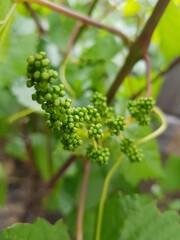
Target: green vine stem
(20, 114)
(62, 73)
(151, 136)
(9, 14)
(160, 130)
(103, 196)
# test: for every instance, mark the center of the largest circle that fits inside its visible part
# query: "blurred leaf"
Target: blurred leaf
(60, 30)
(167, 30)
(6, 17)
(41, 155)
(3, 186)
(99, 50)
(4, 6)
(40, 230)
(22, 45)
(171, 180)
(174, 205)
(131, 7)
(24, 94)
(16, 148)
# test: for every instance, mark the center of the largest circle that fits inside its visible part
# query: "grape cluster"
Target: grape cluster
(95, 131)
(116, 124)
(62, 118)
(128, 147)
(140, 109)
(67, 122)
(99, 155)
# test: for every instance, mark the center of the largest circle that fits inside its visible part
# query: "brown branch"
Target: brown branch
(42, 30)
(160, 74)
(139, 48)
(148, 75)
(80, 216)
(50, 185)
(86, 20)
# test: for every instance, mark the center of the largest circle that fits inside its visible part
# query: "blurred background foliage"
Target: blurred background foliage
(93, 64)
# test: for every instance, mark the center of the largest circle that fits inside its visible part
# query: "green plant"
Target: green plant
(101, 144)
(97, 121)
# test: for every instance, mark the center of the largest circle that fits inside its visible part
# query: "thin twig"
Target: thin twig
(86, 20)
(42, 30)
(78, 29)
(50, 185)
(28, 145)
(160, 74)
(148, 76)
(80, 215)
(139, 48)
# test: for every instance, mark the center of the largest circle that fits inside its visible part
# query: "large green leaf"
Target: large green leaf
(168, 31)
(148, 223)
(135, 217)
(40, 230)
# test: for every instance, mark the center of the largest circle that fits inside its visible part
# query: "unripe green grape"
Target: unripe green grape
(37, 75)
(34, 96)
(37, 64)
(45, 62)
(45, 76)
(48, 96)
(29, 83)
(56, 102)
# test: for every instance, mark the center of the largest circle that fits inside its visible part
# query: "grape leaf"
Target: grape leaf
(167, 30)
(136, 217)
(40, 230)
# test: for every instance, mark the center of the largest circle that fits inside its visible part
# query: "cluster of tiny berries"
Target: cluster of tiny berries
(140, 109)
(116, 124)
(99, 155)
(67, 121)
(128, 147)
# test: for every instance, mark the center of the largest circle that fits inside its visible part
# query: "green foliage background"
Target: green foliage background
(93, 65)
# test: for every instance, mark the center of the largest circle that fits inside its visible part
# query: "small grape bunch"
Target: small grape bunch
(116, 124)
(100, 103)
(140, 109)
(99, 155)
(128, 147)
(95, 131)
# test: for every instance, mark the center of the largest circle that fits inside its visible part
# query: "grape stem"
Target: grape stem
(20, 114)
(62, 73)
(103, 197)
